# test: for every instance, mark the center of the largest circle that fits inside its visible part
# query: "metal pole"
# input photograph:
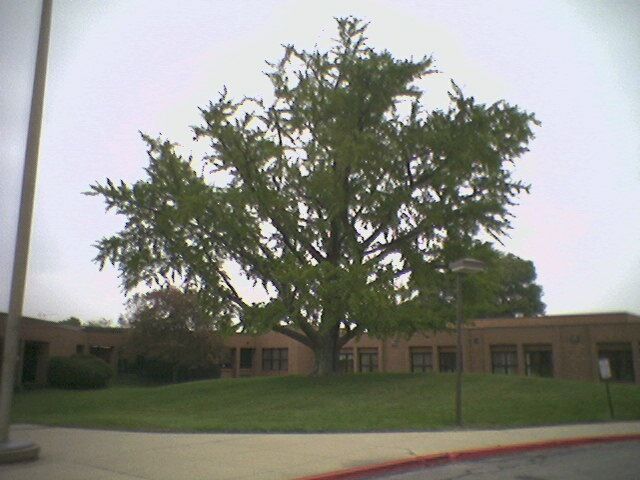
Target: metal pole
(12, 327)
(606, 382)
(459, 352)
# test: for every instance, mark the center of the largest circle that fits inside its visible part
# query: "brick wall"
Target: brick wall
(574, 341)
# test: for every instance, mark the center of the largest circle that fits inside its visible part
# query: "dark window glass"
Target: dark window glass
(538, 361)
(30, 362)
(275, 359)
(447, 360)
(123, 365)
(345, 361)
(228, 358)
(504, 359)
(368, 361)
(620, 360)
(79, 349)
(246, 357)
(103, 353)
(421, 359)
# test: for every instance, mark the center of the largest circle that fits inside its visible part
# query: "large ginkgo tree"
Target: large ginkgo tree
(342, 197)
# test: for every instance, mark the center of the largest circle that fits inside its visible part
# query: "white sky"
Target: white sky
(116, 67)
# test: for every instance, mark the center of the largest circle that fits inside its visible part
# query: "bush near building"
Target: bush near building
(161, 371)
(79, 372)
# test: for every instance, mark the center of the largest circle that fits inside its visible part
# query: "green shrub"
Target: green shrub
(79, 371)
(162, 371)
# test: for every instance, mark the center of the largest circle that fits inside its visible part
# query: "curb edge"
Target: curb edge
(424, 461)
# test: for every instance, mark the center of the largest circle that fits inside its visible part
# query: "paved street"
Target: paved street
(611, 461)
(80, 454)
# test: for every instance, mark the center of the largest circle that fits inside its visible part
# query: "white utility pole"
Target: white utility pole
(19, 451)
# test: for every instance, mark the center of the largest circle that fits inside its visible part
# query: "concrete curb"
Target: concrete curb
(424, 461)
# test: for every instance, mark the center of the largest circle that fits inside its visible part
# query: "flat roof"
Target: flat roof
(58, 324)
(556, 320)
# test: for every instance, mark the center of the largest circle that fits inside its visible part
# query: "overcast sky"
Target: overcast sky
(117, 67)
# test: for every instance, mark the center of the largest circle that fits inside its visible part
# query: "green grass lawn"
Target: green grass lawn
(366, 402)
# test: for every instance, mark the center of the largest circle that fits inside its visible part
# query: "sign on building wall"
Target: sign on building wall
(605, 368)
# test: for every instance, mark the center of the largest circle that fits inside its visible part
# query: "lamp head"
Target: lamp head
(467, 265)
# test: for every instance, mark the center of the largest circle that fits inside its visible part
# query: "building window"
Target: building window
(32, 361)
(228, 358)
(123, 365)
(103, 353)
(538, 360)
(620, 360)
(447, 359)
(421, 359)
(504, 359)
(368, 359)
(246, 357)
(345, 361)
(275, 359)
(79, 349)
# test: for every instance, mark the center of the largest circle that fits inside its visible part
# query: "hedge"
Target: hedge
(79, 371)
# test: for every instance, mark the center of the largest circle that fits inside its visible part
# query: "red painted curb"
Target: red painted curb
(423, 461)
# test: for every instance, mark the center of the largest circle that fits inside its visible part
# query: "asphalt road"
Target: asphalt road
(610, 461)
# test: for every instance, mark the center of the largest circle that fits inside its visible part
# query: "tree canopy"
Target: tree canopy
(517, 292)
(73, 321)
(344, 197)
(508, 289)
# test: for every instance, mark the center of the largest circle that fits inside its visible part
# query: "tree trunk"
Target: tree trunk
(326, 361)
(327, 354)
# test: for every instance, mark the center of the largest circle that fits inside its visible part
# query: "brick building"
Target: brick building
(41, 340)
(562, 346)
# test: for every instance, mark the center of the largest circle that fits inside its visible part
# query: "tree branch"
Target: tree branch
(386, 248)
(299, 337)
(351, 334)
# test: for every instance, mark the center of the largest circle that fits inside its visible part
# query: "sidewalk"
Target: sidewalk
(72, 454)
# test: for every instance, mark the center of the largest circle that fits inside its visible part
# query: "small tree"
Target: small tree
(73, 321)
(506, 289)
(101, 323)
(511, 289)
(344, 198)
(168, 325)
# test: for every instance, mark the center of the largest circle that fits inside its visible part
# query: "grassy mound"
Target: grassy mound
(365, 402)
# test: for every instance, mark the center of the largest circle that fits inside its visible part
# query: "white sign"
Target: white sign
(605, 368)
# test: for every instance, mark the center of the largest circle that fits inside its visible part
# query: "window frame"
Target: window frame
(529, 370)
(243, 363)
(345, 360)
(426, 364)
(505, 353)
(451, 355)
(275, 359)
(228, 358)
(620, 354)
(370, 354)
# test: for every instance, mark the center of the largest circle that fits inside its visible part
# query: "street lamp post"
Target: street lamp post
(464, 265)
